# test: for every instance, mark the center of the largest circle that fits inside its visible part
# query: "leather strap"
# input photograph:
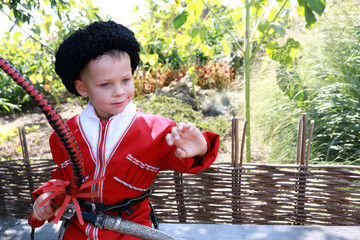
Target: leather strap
(119, 207)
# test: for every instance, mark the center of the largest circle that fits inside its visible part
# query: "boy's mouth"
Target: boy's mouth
(118, 103)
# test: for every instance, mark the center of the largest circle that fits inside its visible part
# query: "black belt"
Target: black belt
(124, 206)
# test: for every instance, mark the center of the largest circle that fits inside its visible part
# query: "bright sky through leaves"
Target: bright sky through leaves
(121, 10)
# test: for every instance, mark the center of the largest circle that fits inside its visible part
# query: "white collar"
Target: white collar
(129, 112)
(117, 127)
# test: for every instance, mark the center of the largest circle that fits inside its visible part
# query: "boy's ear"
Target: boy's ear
(80, 88)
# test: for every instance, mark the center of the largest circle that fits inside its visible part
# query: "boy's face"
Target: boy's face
(108, 82)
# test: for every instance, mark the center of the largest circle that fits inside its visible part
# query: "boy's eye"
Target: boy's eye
(104, 84)
(126, 80)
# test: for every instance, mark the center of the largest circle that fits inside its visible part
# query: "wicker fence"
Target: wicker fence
(261, 194)
(236, 193)
(247, 194)
(18, 179)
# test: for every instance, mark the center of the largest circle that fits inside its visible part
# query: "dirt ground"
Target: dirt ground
(37, 139)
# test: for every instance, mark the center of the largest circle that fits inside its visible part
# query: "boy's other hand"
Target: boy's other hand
(44, 212)
(188, 139)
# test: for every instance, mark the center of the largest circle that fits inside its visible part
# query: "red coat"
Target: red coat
(129, 151)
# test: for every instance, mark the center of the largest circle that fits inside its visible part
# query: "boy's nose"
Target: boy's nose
(119, 91)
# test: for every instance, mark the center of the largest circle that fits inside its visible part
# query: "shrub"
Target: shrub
(215, 75)
(148, 81)
(212, 76)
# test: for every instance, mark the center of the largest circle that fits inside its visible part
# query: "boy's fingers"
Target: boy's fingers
(36, 215)
(56, 212)
(180, 153)
(190, 126)
(169, 139)
(175, 133)
(180, 126)
(39, 215)
(48, 209)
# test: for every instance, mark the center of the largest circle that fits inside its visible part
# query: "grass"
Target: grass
(270, 116)
(328, 72)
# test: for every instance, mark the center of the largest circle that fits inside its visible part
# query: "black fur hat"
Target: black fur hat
(90, 42)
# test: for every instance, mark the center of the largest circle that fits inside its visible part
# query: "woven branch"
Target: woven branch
(251, 194)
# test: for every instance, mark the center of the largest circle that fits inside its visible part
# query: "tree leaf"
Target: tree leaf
(309, 17)
(153, 59)
(182, 40)
(207, 50)
(226, 47)
(197, 7)
(279, 29)
(317, 6)
(237, 15)
(180, 19)
(136, 8)
(305, 9)
(48, 22)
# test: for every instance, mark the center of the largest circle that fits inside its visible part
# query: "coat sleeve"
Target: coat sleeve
(59, 156)
(195, 165)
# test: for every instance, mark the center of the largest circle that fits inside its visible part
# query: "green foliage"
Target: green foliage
(26, 56)
(20, 9)
(285, 55)
(325, 83)
(179, 111)
(180, 20)
(5, 106)
(292, 85)
(29, 53)
(335, 110)
(307, 9)
(192, 37)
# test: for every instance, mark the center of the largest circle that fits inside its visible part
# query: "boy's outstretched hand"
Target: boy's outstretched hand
(188, 139)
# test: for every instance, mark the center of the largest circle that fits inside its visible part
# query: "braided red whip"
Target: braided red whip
(64, 133)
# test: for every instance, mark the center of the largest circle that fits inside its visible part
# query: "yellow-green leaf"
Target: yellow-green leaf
(36, 78)
(153, 59)
(143, 58)
(182, 40)
(197, 7)
(226, 47)
(207, 50)
(136, 8)
(237, 15)
(197, 40)
(48, 22)
(293, 52)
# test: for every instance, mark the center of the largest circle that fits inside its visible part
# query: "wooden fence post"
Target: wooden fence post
(26, 159)
(237, 169)
(3, 205)
(235, 141)
(302, 159)
(180, 196)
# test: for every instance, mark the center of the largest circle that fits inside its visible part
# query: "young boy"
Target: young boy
(117, 141)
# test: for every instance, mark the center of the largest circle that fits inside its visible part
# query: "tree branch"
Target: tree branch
(34, 39)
